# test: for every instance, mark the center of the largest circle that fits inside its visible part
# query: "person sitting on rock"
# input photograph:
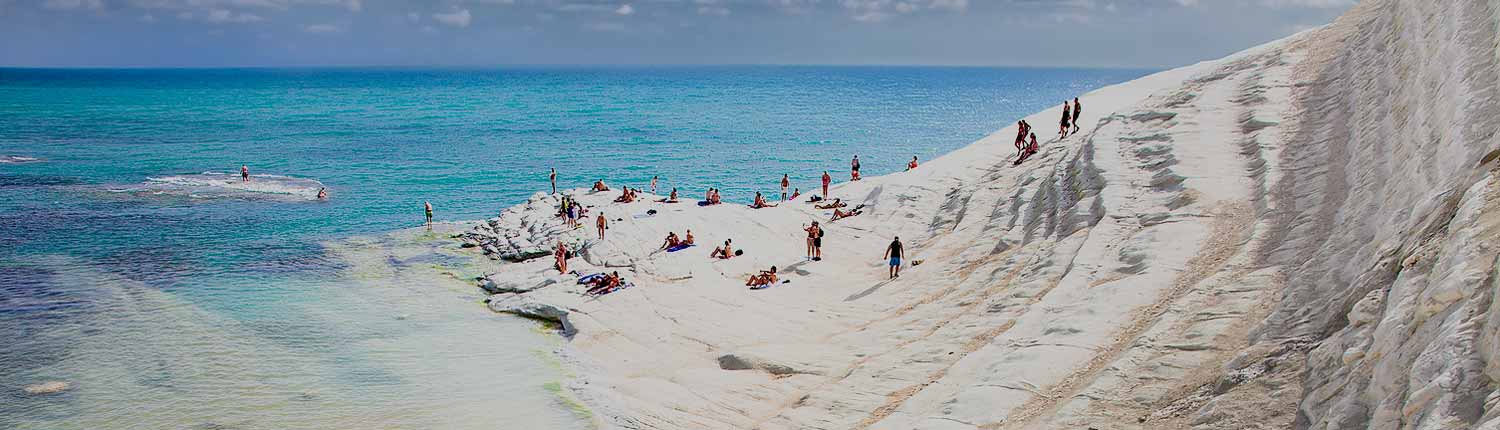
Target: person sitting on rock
(672, 198)
(599, 186)
(688, 238)
(764, 278)
(724, 252)
(715, 198)
(672, 241)
(760, 202)
(795, 193)
(625, 196)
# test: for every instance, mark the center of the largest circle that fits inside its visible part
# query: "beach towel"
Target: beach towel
(762, 287)
(590, 278)
(679, 248)
(704, 203)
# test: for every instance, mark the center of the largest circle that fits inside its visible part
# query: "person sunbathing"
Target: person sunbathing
(796, 192)
(625, 196)
(604, 284)
(839, 214)
(672, 241)
(599, 186)
(764, 278)
(836, 203)
(724, 252)
(688, 238)
(716, 198)
(671, 198)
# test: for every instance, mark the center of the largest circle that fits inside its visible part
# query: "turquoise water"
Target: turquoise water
(135, 267)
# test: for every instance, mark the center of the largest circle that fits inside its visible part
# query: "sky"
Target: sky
(290, 33)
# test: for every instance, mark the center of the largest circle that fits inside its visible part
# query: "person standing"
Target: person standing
(561, 254)
(826, 180)
(653, 184)
(893, 252)
(552, 177)
(1077, 112)
(244, 173)
(814, 241)
(1067, 121)
(428, 207)
(786, 181)
(602, 223)
(854, 169)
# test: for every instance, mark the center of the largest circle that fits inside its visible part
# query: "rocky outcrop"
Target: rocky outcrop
(522, 232)
(1388, 220)
(527, 306)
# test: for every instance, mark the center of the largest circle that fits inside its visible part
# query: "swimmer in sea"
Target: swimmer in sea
(322, 194)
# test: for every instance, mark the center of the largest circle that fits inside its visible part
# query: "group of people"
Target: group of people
(571, 212)
(627, 195)
(673, 241)
(1069, 118)
(1024, 149)
(604, 283)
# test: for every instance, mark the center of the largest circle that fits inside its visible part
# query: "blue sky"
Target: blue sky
(213, 33)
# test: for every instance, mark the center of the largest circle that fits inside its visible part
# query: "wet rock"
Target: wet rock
(526, 306)
(45, 388)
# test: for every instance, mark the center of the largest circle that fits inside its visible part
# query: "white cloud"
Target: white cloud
(605, 27)
(459, 18)
(321, 28)
(625, 9)
(73, 4)
(219, 16)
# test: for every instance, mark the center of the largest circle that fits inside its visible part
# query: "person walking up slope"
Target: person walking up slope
(1077, 112)
(893, 252)
(1067, 121)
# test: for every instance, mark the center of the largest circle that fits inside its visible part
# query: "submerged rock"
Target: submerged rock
(49, 387)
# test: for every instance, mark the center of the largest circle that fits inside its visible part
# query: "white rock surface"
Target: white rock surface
(1302, 235)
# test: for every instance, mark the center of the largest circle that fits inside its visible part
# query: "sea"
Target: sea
(139, 273)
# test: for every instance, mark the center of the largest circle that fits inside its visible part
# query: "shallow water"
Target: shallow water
(135, 266)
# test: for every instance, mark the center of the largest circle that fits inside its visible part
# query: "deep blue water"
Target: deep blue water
(118, 206)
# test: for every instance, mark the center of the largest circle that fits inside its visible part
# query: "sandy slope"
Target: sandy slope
(1202, 255)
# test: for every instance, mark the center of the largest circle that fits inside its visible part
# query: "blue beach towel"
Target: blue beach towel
(679, 248)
